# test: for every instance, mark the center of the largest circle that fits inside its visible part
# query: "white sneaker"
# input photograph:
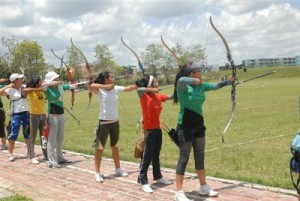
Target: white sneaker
(207, 191)
(180, 196)
(147, 189)
(44, 143)
(99, 178)
(4, 147)
(11, 158)
(163, 181)
(34, 161)
(121, 173)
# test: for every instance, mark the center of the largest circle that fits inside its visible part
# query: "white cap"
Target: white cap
(15, 76)
(50, 76)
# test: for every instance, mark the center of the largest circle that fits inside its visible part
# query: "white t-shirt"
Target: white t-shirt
(109, 101)
(18, 103)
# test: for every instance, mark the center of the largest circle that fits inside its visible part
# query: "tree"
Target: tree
(76, 62)
(194, 53)
(28, 57)
(105, 60)
(6, 57)
(153, 58)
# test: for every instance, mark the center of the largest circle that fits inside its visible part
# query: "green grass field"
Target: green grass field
(256, 147)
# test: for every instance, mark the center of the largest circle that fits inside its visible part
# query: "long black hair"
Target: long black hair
(33, 82)
(102, 77)
(143, 82)
(183, 72)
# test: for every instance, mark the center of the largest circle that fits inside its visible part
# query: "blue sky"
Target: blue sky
(253, 29)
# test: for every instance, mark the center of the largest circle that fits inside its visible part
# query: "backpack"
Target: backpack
(295, 161)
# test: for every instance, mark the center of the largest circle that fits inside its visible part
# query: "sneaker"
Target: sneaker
(34, 161)
(65, 162)
(54, 166)
(163, 181)
(4, 147)
(147, 189)
(99, 177)
(11, 158)
(180, 196)
(44, 143)
(121, 173)
(207, 191)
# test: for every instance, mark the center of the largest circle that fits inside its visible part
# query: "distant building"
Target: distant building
(285, 61)
(227, 67)
(297, 60)
(211, 68)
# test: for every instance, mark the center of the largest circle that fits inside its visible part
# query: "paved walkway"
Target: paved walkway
(76, 182)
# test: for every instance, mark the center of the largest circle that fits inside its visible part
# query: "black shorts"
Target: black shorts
(2, 123)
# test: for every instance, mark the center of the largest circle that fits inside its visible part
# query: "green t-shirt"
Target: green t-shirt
(54, 96)
(192, 96)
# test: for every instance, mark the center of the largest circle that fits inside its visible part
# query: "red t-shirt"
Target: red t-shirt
(151, 108)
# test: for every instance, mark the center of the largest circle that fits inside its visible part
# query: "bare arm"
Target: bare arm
(2, 90)
(170, 97)
(95, 87)
(130, 88)
(3, 80)
(28, 90)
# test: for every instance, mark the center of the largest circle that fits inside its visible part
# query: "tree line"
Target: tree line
(27, 57)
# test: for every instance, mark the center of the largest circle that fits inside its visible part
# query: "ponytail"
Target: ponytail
(180, 74)
(143, 82)
(33, 82)
(102, 77)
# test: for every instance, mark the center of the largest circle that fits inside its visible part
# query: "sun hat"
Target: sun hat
(50, 76)
(15, 76)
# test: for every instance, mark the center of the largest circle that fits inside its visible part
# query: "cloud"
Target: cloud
(268, 32)
(168, 9)
(253, 29)
(239, 7)
(67, 9)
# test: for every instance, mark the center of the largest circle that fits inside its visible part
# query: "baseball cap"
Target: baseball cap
(50, 76)
(192, 67)
(15, 76)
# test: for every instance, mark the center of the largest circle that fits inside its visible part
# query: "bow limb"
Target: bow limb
(72, 81)
(61, 60)
(233, 68)
(91, 77)
(138, 59)
(173, 52)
